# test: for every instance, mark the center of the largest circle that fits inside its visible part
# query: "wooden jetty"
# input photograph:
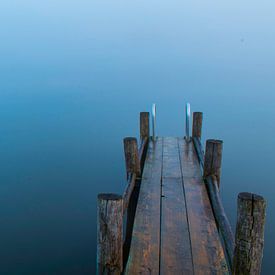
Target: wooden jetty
(170, 219)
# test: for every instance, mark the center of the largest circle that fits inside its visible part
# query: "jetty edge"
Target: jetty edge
(130, 240)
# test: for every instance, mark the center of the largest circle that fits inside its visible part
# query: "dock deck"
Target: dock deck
(170, 218)
(174, 230)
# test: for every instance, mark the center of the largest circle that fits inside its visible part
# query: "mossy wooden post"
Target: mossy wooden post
(109, 234)
(144, 125)
(197, 124)
(249, 236)
(131, 156)
(213, 159)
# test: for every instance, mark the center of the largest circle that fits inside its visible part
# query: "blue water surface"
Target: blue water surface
(74, 76)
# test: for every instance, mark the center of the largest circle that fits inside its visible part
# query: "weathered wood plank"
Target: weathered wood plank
(175, 254)
(145, 245)
(207, 251)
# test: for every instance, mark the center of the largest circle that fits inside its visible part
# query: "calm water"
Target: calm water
(74, 76)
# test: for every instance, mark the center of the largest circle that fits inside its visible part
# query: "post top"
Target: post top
(250, 196)
(216, 141)
(128, 139)
(258, 198)
(245, 196)
(109, 197)
(200, 113)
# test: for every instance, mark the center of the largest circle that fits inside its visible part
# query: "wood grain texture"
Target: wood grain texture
(175, 254)
(144, 125)
(213, 159)
(222, 221)
(207, 251)
(145, 245)
(249, 234)
(174, 229)
(109, 234)
(197, 124)
(131, 156)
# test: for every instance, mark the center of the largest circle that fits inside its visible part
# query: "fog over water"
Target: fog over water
(74, 76)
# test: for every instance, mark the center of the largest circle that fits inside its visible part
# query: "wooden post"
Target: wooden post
(109, 234)
(197, 124)
(144, 125)
(213, 159)
(249, 237)
(131, 156)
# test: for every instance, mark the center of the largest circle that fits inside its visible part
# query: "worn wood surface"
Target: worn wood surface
(145, 245)
(222, 222)
(175, 252)
(174, 229)
(207, 251)
(197, 124)
(109, 234)
(144, 125)
(249, 234)
(131, 156)
(213, 159)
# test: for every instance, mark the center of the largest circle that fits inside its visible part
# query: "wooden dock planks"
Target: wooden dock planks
(145, 245)
(207, 251)
(175, 254)
(174, 230)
